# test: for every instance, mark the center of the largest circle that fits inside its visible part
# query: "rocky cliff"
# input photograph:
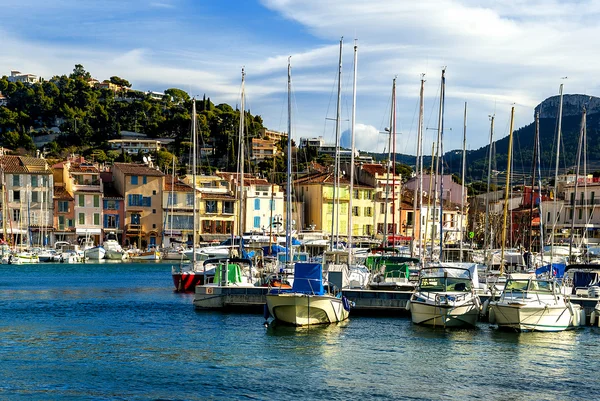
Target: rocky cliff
(572, 106)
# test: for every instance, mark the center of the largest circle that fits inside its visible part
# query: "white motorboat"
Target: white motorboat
(94, 254)
(23, 258)
(149, 255)
(445, 296)
(307, 302)
(114, 251)
(531, 304)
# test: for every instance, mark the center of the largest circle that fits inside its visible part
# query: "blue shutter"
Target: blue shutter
(129, 199)
(117, 205)
(117, 218)
(105, 204)
(105, 221)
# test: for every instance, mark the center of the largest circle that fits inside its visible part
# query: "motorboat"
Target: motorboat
(307, 302)
(219, 274)
(445, 296)
(95, 254)
(23, 258)
(113, 249)
(532, 304)
(186, 276)
(390, 272)
(148, 255)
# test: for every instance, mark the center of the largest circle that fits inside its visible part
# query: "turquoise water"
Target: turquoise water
(119, 332)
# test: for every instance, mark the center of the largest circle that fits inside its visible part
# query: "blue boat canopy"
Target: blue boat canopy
(558, 270)
(308, 278)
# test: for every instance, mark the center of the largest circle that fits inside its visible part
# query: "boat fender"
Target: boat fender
(266, 312)
(346, 303)
(582, 317)
(593, 318)
(407, 306)
(486, 306)
(477, 302)
(492, 316)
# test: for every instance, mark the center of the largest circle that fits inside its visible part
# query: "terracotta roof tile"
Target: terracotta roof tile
(177, 185)
(374, 168)
(61, 193)
(137, 169)
(208, 195)
(24, 165)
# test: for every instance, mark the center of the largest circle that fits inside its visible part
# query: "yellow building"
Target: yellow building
(217, 207)
(316, 193)
(142, 187)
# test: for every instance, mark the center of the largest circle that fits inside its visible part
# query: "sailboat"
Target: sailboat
(308, 302)
(187, 275)
(528, 303)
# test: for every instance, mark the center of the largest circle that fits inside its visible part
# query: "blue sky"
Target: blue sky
(497, 54)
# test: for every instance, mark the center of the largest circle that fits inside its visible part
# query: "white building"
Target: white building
(17, 76)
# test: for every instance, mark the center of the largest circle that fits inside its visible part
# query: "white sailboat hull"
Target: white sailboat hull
(302, 310)
(444, 314)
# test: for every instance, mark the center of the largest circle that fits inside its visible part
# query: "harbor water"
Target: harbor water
(119, 332)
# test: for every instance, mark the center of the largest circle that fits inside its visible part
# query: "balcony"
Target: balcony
(133, 228)
(88, 185)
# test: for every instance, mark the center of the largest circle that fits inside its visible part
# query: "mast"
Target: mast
(539, 168)
(574, 200)
(241, 168)
(387, 176)
(507, 189)
(195, 215)
(487, 197)
(535, 150)
(555, 217)
(352, 131)
(462, 190)
(419, 183)
(336, 170)
(393, 133)
(429, 198)
(288, 223)
(440, 160)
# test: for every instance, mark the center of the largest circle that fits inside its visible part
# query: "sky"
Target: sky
(496, 54)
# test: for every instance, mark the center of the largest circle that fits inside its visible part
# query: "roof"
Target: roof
(83, 168)
(24, 165)
(137, 169)
(208, 195)
(374, 168)
(61, 193)
(176, 185)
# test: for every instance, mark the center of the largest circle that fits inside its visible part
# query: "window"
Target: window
(256, 204)
(34, 181)
(134, 180)
(111, 205)
(190, 200)
(368, 211)
(17, 196)
(16, 180)
(34, 196)
(16, 215)
(356, 194)
(81, 218)
(153, 225)
(153, 191)
(171, 199)
(61, 222)
(382, 208)
(111, 221)
(147, 201)
(135, 200)
(135, 218)
(409, 219)
(256, 221)
(63, 206)
(355, 211)
(206, 226)
(228, 207)
(580, 214)
(211, 206)
(70, 223)
(81, 200)
(368, 229)
(153, 211)
(96, 219)
(145, 180)
(96, 200)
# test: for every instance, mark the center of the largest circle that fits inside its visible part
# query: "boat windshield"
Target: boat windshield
(529, 285)
(445, 284)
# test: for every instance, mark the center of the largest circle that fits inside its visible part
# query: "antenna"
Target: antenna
(145, 159)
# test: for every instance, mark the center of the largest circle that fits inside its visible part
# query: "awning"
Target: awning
(88, 231)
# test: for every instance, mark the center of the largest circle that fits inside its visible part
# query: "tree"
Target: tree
(120, 81)
(404, 170)
(178, 95)
(80, 72)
